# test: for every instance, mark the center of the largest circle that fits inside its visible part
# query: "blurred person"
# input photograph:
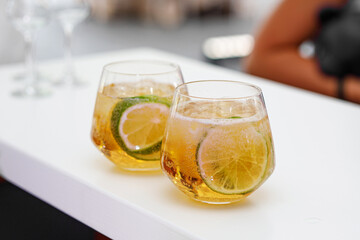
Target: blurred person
(334, 25)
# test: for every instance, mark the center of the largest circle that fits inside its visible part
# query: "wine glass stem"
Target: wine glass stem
(29, 61)
(69, 71)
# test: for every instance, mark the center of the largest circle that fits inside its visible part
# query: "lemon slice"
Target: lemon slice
(138, 124)
(232, 159)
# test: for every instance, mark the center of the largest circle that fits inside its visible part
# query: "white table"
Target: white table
(45, 148)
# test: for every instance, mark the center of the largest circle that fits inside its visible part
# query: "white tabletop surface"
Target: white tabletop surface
(45, 148)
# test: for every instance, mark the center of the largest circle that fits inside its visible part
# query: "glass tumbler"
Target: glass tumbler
(131, 109)
(217, 146)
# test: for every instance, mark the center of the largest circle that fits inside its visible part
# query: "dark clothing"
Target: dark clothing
(337, 45)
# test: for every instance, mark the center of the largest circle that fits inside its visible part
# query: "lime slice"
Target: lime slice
(138, 124)
(232, 159)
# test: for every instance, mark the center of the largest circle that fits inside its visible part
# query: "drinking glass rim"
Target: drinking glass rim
(175, 66)
(258, 90)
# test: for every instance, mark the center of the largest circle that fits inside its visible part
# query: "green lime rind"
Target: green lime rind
(118, 111)
(208, 183)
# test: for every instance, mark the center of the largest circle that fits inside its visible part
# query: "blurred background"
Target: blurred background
(184, 27)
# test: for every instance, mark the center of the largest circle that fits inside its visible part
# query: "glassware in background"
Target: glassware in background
(28, 16)
(70, 13)
(217, 145)
(131, 110)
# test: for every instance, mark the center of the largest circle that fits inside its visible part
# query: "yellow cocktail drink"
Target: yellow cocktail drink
(132, 106)
(218, 151)
(129, 122)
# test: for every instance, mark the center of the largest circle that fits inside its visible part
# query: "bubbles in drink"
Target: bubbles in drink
(144, 87)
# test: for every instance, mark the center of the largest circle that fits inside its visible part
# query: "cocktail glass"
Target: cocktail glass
(132, 106)
(218, 145)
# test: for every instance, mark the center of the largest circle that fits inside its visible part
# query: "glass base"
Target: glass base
(21, 76)
(219, 203)
(32, 91)
(137, 166)
(70, 80)
(137, 172)
(224, 200)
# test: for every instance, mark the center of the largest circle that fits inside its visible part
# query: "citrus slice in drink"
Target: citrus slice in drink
(232, 159)
(138, 124)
